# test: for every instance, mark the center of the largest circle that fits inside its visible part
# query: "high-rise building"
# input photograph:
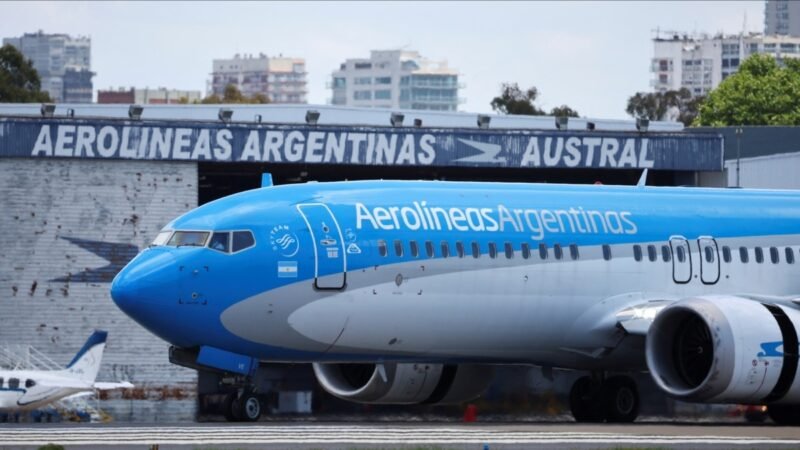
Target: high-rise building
(63, 64)
(700, 62)
(282, 80)
(396, 79)
(782, 17)
(147, 96)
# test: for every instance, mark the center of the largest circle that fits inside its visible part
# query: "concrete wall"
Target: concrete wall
(67, 227)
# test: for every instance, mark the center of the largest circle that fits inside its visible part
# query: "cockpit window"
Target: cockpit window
(162, 238)
(220, 242)
(189, 238)
(242, 240)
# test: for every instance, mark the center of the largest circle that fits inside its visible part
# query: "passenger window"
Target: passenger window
(221, 242)
(429, 249)
(557, 252)
(492, 250)
(382, 250)
(414, 249)
(398, 247)
(607, 252)
(1, 382)
(526, 250)
(651, 253)
(666, 255)
(789, 255)
(759, 255)
(189, 238)
(476, 250)
(509, 250)
(774, 256)
(460, 249)
(709, 254)
(13, 383)
(543, 250)
(242, 240)
(29, 383)
(637, 252)
(680, 253)
(445, 250)
(743, 255)
(573, 251)
(726, 254)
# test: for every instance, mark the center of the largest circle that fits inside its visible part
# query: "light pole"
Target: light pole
(738, 154)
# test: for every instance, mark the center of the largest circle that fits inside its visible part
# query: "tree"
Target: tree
(670, 105)
(19, 81)
(564, 111)
(761, 92)
(513, 100)
(232, 94)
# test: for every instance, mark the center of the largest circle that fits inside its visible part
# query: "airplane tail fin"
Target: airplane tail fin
(86, 362)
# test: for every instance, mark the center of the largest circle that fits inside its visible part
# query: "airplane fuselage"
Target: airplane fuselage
(454, 272)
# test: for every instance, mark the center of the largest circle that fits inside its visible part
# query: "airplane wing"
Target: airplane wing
(107, 385)
(602, 328)
(64, 383)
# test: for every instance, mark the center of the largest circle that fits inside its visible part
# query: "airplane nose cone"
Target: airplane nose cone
(144, 284)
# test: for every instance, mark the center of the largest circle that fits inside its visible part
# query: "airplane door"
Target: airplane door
(330, 265)
(681, 259)
(709, 259)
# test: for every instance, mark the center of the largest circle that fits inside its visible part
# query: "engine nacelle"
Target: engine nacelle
(404, 383)
(725, 349)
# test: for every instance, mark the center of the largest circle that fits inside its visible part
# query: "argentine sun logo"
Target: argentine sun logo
(284, 241)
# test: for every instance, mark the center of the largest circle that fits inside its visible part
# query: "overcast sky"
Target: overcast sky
(591, 56)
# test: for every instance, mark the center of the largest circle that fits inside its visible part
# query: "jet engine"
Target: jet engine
(725, 349)
(404, 383)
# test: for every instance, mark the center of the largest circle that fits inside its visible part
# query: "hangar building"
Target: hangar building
(86, 187)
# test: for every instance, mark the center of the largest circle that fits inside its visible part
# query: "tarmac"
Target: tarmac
(477, 436)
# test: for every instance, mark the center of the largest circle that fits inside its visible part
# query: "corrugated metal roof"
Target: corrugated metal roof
(329, 115)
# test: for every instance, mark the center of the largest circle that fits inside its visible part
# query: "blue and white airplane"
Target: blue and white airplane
(411, 291)
(31, 389)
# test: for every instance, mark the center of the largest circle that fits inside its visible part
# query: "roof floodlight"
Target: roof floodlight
(396, 119)
(70, 112)
(417, 123)
(257, 118)
(483, 121)
(312, 117)
(48, 109)
(135, 112)
(562, 122)
(590, 126)
(642, 123)
(225, 114)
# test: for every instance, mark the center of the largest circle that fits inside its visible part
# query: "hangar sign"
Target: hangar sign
(196, 141)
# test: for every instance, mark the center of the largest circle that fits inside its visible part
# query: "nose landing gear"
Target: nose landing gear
(613, 400)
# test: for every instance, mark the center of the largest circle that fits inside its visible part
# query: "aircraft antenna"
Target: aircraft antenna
(642, 180)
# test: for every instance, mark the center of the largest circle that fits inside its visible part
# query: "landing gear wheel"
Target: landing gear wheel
(784, 414)
(230, 408)
(585, 401)
(620, 399)
(249, 407)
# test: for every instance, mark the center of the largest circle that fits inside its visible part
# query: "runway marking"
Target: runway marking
(336, 434)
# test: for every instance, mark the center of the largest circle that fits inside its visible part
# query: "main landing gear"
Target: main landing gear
(599, 399)
(243, 405)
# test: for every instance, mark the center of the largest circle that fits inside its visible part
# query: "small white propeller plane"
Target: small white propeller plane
(31, 389)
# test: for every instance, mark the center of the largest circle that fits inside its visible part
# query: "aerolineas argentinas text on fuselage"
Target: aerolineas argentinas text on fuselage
(410, 292)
